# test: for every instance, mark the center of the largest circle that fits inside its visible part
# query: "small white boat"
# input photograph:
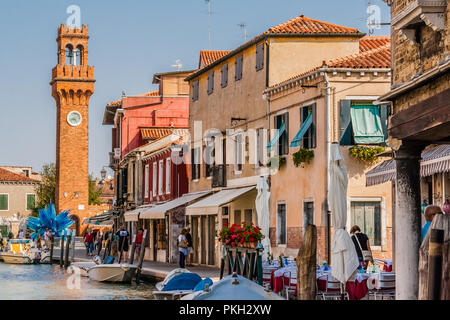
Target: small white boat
(234, 287)
(84, 267)
(20, 252)
(112, 272)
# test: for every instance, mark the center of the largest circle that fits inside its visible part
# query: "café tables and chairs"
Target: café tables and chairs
(381, 285)
(329, 288)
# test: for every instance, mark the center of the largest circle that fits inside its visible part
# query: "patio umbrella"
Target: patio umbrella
(343, 253)
(262, 210)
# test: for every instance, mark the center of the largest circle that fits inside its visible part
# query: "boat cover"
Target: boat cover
(202, 284)
(184, 281)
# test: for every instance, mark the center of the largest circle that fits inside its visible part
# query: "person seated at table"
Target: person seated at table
(430, 212)
(361, 242)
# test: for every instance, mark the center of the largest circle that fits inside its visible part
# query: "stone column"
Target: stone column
(407, 221)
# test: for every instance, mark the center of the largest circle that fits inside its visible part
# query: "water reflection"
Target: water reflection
(45, 282)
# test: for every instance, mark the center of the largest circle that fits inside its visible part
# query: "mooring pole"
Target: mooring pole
(435, 264)
(133, 248)
(68, 239)
(61, 257)
(141, 257)
(52, 244)
(74, 240)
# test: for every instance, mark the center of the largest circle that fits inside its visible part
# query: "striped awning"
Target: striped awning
(103, 217)
(434, 160)
(154, 133)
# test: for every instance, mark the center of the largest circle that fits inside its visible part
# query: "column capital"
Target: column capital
(410, 151)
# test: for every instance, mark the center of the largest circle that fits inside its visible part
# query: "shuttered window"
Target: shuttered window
(283, 142)
(211, 82)
(237, 217)
(195, 90)
(31, 201)
(160, 177)
(238, 67)
(195, 163)
(309, 139)
(238, 153)
(4, 202)
(260, 57)
(154, 179)
(168, 175)
(367, 215)
(281, 223)
(224, 80)
(146, 181)
(248, 216)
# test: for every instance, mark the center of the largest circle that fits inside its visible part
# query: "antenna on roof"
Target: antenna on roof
(243, 26)
(209, 21)
(177, 64)
(374, 18)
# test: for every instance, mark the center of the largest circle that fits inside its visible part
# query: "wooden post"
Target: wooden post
(74, 240)
(435, 264)
(133, 248)
(61, 256)
(259, 268)
(306, 265)
(52, 244)
(141, 257)
(66, 260)
(106, 249)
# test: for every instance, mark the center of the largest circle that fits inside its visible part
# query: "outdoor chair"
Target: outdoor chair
(289, 283)
(332, 289)
(384, 287)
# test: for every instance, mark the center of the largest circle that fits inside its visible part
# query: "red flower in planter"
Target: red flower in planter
(242, 240)
(252, 239)
(233, 244)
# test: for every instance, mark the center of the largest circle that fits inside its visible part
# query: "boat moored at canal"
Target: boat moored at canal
(20, 251)
(112, 272)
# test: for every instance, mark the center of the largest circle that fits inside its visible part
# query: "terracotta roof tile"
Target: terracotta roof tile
(9, 176)
(377, 58)
(373, 42)
(302, 24)
(154, 133)
(209, 56)
(154, 93)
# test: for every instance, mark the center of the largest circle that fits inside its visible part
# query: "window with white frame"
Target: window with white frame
(154, 179)
(160, 177)
(4, 202)
(146, 180)
(31, 201)
(281, 223)
(367, 215)
(168, 172)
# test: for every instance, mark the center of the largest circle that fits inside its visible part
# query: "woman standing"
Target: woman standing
(362, 246)
(182, 247)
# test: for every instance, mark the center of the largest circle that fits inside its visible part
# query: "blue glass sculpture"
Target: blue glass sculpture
(48, 220)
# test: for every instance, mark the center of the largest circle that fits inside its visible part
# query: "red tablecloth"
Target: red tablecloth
(356, 290)
(279, 283)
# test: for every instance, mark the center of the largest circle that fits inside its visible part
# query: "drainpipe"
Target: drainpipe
(328, 108)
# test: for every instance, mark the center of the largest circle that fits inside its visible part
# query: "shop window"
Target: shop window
(367, 215)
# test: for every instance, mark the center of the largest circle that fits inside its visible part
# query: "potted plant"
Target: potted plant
(366, 154)
(277, 162)
(302, 156)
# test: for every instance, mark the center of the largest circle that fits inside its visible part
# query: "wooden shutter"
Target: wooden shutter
(31, 201)
(211, 82)
(195, 90)
(384, 119)
(3, 202)
(285, 136)
(238, 69)
(345, 135)
(313, 127)
(260, 57)
(224, 75)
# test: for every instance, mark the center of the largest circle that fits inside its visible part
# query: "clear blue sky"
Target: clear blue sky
(130, 41)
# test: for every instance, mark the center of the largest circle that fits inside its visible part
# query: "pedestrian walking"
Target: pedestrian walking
(362, 246)
(139, 238)
(190, 249)
(47, 236)
(124, 236)
(182, 247)
(89, 242)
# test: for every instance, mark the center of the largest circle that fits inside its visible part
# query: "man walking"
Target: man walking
(123, 241)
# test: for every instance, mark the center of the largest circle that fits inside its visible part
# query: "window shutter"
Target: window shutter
(195, 90)
(239, 64)
(224, 75)
(345, 135)
(211, 82)
(260, 57)
(3, 202)
(313, 127)
(384, 119)
(285, 136)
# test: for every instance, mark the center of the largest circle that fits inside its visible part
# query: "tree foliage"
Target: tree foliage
(94, 192)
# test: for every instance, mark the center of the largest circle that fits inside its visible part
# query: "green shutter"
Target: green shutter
(3, 202)
(384, 119)
(31, 198)
(345, 134)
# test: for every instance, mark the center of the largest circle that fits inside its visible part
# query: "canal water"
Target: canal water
(46, 282)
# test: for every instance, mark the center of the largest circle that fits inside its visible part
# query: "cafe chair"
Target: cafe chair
(290, 283)
(332, 289)
(382, 285)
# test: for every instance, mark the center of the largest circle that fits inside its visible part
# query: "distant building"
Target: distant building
(17, 197)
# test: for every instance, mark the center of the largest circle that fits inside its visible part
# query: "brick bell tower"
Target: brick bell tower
(72, 86)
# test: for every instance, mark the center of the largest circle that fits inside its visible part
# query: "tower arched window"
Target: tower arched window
(70, 59)
(79, 55)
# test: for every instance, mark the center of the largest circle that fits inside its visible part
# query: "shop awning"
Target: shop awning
(158, 212)
(103, 217)
(299, 136)
(211, 204)
(366, 124)
(277, 137)
(132, 215)
(434, 160)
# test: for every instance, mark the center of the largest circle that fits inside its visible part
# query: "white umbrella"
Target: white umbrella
(343, 253)
(262, 210)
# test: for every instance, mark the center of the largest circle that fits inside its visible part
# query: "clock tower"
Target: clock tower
(72, 86)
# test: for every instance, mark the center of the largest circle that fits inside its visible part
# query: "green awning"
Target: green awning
(304, 128)
(277, 137)
(366, 124)
(107, 216)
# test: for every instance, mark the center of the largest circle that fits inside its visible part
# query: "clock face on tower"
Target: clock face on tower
(74, 118)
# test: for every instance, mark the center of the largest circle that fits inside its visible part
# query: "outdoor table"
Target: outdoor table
(356, 289)
(279, 280)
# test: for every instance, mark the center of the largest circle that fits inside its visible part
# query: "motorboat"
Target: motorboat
(178, 283)
(112, 272)
(84, 267)
(20, 251)
(234, 287)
